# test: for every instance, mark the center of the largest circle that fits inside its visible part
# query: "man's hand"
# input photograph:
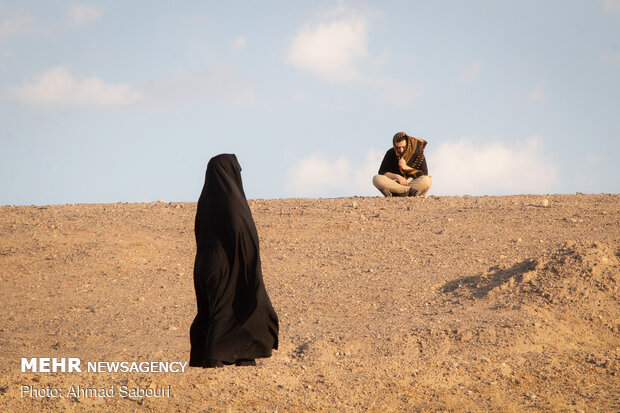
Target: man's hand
(401, 180)
(397, 178)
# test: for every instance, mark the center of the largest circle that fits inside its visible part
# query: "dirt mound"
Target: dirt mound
(579, 276)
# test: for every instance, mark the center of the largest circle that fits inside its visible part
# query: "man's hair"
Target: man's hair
(400, 136)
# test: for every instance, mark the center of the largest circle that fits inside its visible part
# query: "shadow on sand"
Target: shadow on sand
(496, 277)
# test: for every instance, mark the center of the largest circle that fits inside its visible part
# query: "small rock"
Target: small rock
(545, 203)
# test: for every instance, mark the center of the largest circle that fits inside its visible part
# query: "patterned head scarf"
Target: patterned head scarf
(414, 152)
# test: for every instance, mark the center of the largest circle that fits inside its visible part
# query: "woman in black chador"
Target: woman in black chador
(236, 322)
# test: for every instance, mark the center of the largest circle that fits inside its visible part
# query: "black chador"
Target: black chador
(236, 322)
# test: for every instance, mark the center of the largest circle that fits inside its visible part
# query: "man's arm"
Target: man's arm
(408, 169)
(397, 178)
(403, 165)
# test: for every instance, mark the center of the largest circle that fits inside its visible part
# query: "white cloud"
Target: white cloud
(331, 50)
(81, 14)
(536, 95)
(611, 5)
(336, 50)
(467, 167)
(240, 42)
(13, 25)
(58, 86)
(457, 168)
(472, 72)
(316, 175)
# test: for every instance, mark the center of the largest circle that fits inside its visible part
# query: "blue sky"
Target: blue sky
(128, 100)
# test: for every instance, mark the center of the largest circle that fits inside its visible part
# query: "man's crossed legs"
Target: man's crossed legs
(416, 187)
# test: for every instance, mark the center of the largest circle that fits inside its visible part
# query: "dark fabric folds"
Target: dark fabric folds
(413, 156)
(236, 320)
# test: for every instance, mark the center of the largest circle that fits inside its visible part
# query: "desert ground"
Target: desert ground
(507, 304)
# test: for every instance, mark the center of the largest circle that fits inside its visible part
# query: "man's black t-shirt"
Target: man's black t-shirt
(390, 164)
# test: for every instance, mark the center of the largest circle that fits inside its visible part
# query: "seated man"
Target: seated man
(403, 171)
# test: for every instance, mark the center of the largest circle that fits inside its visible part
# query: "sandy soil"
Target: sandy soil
(440, 304)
